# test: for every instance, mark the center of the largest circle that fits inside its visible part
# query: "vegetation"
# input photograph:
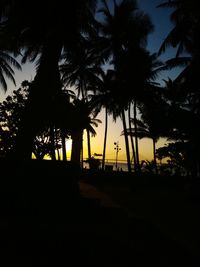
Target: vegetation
(71, 50)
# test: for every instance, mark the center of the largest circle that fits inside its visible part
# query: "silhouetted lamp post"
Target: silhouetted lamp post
(117, 148)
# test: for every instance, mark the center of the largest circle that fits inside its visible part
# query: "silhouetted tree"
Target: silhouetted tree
(185, 37)
(56, 29)
(146, 131)
(79, 70)
(11, 112)
(103, 89)
(123, 29)
(81, 120)
(183, 104)
(146, 66)
(176, 154)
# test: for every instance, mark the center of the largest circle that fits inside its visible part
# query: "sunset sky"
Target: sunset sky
(162, 25)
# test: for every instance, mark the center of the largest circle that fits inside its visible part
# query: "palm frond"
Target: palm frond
(176, 62)
(91, 130)
(139, 123)
(10, 60)
(139, 132)
(166, 44)
(3, 82)
(7, 72)
(30, 53)
(5, 65)
(168, 4)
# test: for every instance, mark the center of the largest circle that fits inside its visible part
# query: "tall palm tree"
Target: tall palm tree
(155, 116)
(146, 66)
(56, 29)
(152, 123)
(102, 98)
(79, 70)
(122, 28)
(143, 131)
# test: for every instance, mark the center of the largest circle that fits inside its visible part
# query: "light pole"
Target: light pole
(117, 148)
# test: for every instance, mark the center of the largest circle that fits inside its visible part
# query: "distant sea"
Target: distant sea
(121, 166)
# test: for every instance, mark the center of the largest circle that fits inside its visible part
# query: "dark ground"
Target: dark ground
(44, 221)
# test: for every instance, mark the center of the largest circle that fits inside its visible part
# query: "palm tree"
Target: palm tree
(56, 29)
(146, 66)
(123, 28)
(60, 117)
(151, 125)
(81, 120)
(144, 131)
(149, 89)
(102, 98)
(183, 103)
(79, 70)
(185, 37)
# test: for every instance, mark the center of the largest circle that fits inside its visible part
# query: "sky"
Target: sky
(160, 19)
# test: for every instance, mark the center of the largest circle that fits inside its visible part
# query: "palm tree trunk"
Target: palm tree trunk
(105, 139)
(82, 153)
(63, 146)
(76, 147)
(89, 144)
(84, 97)
(126, 141)
(136, 136)
(154, 155)
(52, 138)
(131, 137)
(88, 134)
(58, 153)
(56, 144)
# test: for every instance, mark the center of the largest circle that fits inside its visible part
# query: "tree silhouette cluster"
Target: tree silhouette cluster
(11, 111)
(105, 58)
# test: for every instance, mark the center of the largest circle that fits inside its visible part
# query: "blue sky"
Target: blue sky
(162, 25)
(160, 20)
